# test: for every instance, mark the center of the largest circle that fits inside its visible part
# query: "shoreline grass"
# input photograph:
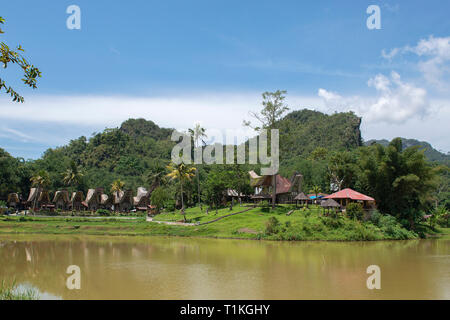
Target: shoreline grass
(12, 291)
(302, 225)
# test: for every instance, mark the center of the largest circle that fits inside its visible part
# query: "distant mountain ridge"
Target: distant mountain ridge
(431, 153)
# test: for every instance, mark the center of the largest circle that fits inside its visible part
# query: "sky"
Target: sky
(178, 63)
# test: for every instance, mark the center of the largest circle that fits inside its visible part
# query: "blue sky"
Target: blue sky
(181, 62)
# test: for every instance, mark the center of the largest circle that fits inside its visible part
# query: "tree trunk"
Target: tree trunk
(182, 201)
(274, 191)
(198, 190)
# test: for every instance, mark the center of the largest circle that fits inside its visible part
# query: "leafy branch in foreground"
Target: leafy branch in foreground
(30, 72)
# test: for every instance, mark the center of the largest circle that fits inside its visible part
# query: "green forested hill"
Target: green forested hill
(431, 153)
(138, 149)
(303, 131)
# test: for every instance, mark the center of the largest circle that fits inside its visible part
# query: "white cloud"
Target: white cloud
(54, 120)
(6, 132)
(396, 101)
(214, 111)
(435, 59)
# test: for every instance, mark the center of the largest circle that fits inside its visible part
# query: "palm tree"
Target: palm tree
(316, 190)
(154, 178)
(72, 177)
(116, 187)
(198, 133)
(40, 180)
(182, 173)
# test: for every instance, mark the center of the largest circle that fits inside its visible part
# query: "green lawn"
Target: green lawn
(302, 224)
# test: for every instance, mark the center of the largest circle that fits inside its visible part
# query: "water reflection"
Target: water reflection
(181, 268)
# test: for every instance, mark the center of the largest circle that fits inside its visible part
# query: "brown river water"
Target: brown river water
(190, 268)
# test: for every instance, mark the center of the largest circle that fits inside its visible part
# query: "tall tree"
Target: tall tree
(273, 110)
(30, 72)
(197, 134)
(72, 176)
(401, 181)
(182, 173)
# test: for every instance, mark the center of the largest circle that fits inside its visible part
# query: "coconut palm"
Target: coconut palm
(315, 190)
(40, 180)
(197, 134)
(182, 173)
(72, 177)
(117, 186)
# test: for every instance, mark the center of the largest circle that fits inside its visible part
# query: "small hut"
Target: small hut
(142, 199)
(123, 200)
(76, 200)
(61, 199)
(106, 202)
(302, 198)
(13, 200)
(346, 196)
(93, 199)
(330, 204)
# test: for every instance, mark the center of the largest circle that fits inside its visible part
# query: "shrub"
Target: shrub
(103, 212)
(375, 217)
(159, 197)
(169, 205)
(272, 226)
(355, 211)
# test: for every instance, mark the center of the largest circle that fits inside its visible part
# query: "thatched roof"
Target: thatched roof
(13, 197)
(77, 197)
(105, 199)
(330, 203)
(61, 195)
(93, 195)
(234, 193)
(32, 195)
(301, 196)
(296, 182)
(142, 195)
(254, 178)
(123, 196)
(44, 197)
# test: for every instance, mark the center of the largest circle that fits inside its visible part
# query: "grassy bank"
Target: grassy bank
(10, 291)
(257, 223)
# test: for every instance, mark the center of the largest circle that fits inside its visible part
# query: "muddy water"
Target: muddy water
(182, 268)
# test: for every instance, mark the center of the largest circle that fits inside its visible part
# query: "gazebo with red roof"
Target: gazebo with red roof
(346, 196)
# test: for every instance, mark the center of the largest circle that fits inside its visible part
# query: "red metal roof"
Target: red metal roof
(349, 194)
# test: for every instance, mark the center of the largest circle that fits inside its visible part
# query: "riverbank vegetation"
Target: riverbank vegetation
(11, 291)
(326, 149)
(256, 223)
